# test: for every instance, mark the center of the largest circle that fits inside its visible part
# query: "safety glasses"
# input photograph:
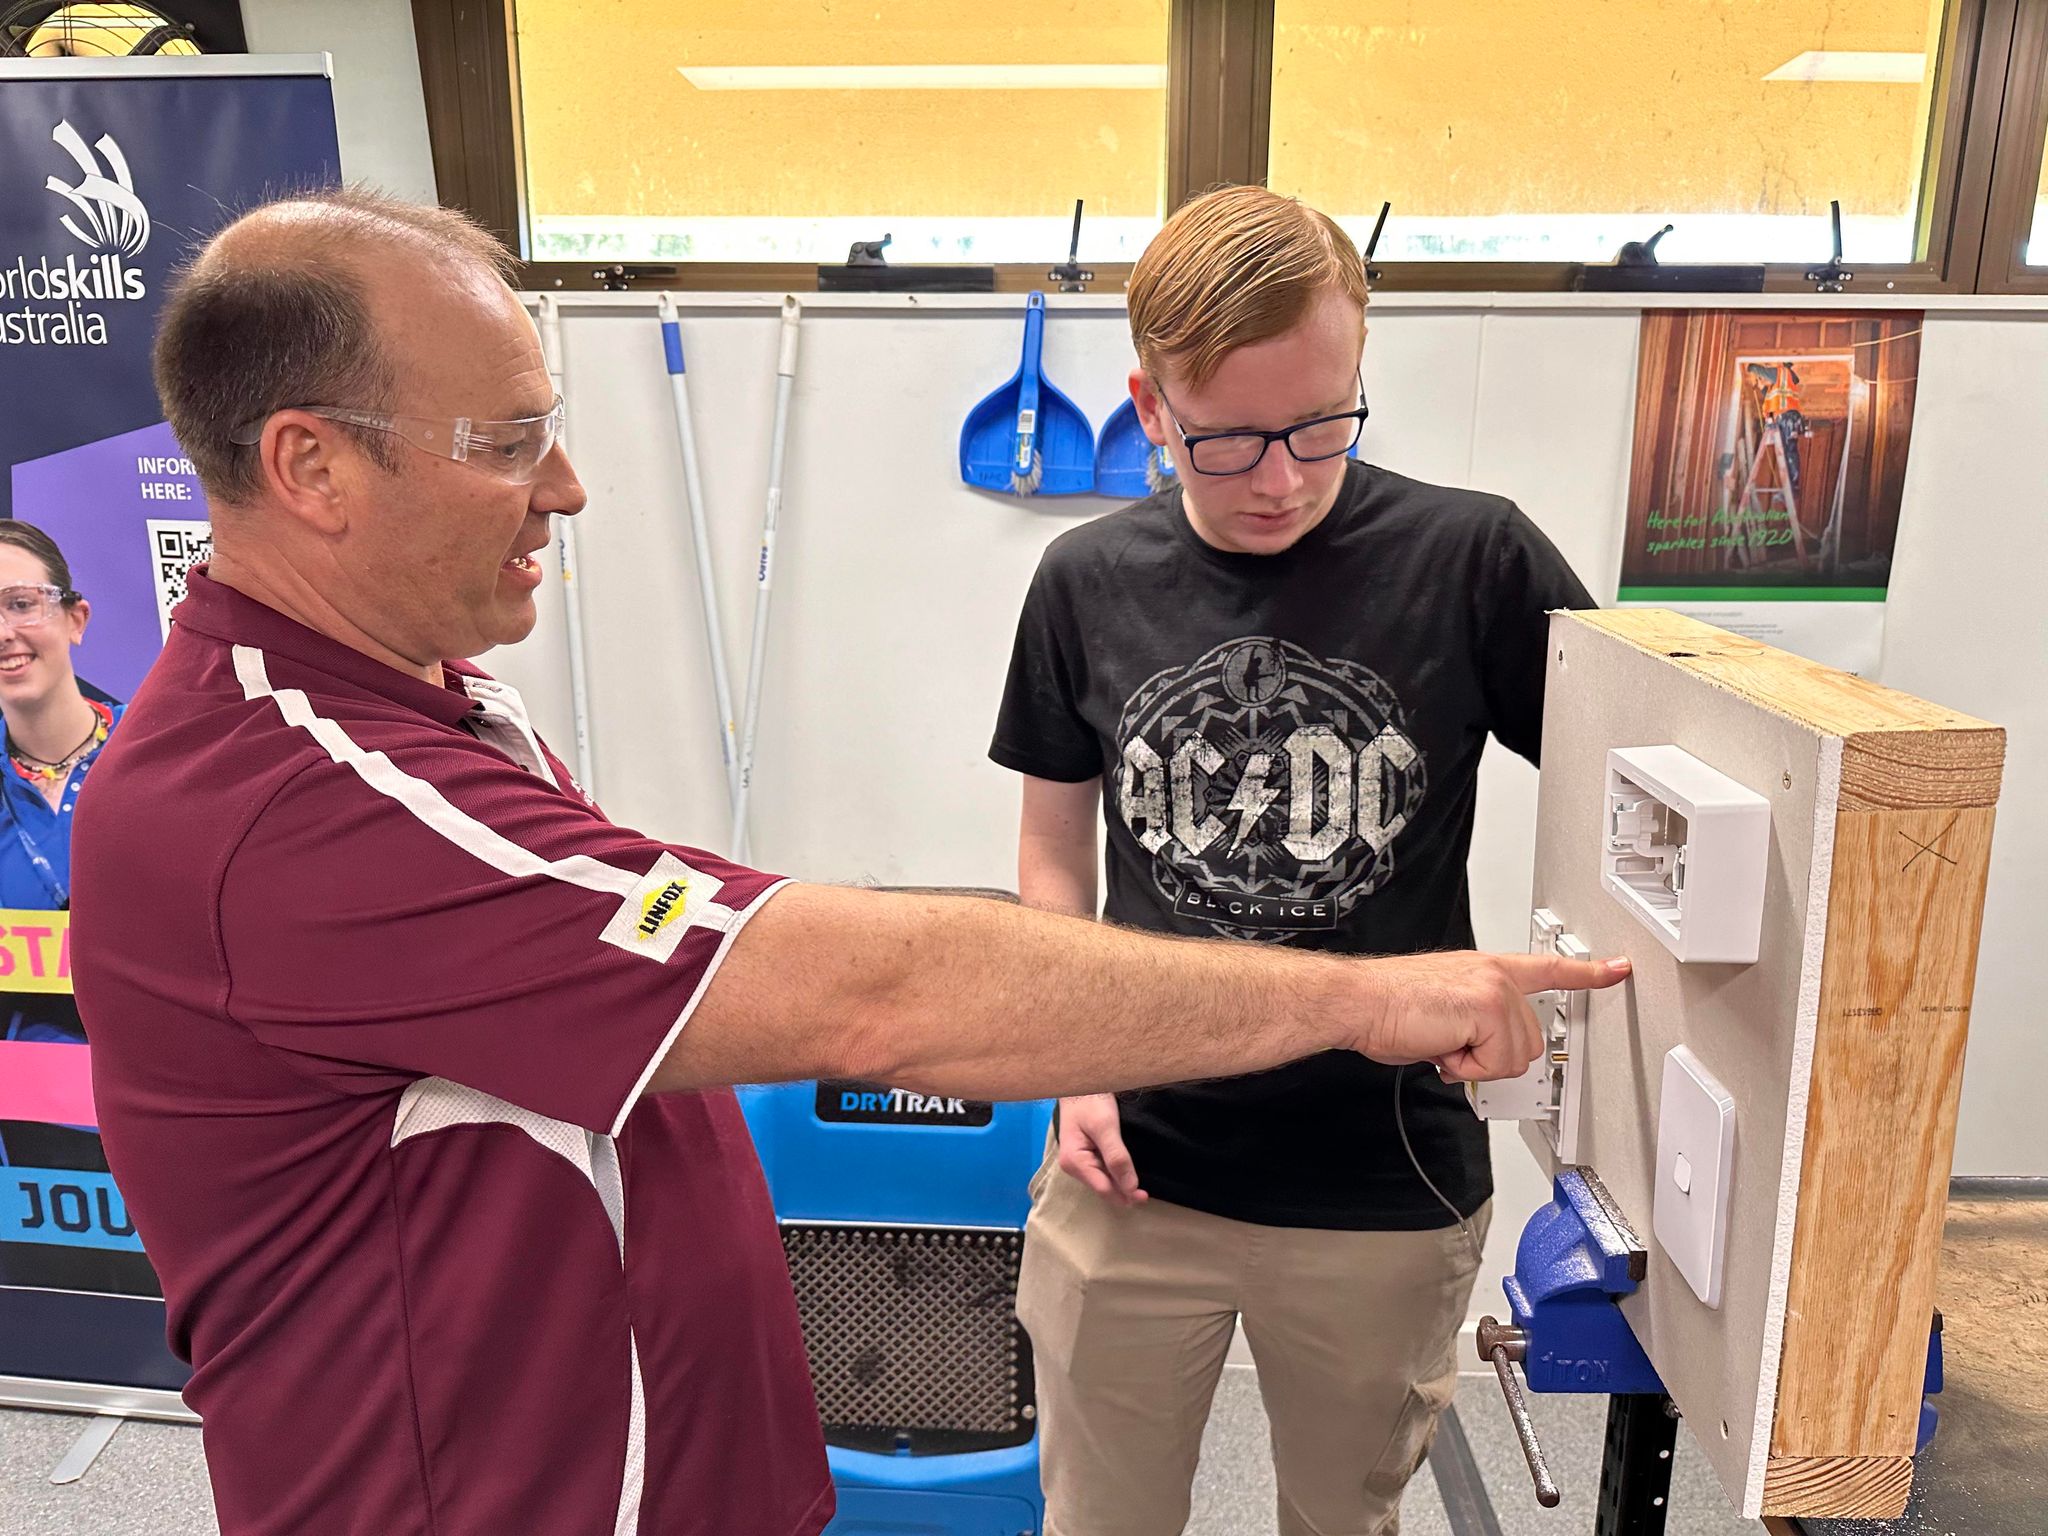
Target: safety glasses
(32, 604)
(510, 450)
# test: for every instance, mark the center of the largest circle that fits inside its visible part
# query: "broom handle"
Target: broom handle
(572, 590)
(700, 539)
(1027, 385)
(757, 661)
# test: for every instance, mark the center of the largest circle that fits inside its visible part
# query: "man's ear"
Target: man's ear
(300, 461)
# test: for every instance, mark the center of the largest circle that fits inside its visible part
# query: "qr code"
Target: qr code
(174, 548)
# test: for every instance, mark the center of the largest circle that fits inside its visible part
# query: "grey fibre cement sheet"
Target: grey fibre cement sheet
(1751, 1026)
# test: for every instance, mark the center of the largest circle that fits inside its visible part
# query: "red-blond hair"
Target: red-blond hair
(1232, 267)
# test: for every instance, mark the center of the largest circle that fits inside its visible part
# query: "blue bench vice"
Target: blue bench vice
(1576, 1259)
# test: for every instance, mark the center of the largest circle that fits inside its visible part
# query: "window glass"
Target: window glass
(2037, 242)
(1511, 130)
(785, 130)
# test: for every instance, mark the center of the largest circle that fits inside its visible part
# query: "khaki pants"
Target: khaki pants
(1130, 1314)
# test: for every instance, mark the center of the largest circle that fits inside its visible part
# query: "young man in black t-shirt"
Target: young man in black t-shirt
(1276, 678)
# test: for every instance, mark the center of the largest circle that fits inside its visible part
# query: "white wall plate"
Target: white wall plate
(1515, 1098)
(1568, 1023)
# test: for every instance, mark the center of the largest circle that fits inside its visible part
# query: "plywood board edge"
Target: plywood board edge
(1907, 915)
(1813, 959)
(1906, 769)
(1839, 1487)
(1834, 702)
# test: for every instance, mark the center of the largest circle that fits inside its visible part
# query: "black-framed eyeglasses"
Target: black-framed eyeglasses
(1240, 452)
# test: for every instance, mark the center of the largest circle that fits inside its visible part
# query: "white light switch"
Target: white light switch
(1695, 1166)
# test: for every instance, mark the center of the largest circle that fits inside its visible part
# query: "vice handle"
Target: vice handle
(1503, 1345)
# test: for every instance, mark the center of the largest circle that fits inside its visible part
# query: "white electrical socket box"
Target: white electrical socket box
(1566, 1027)
(1685, 851)
(1515, 1098)
(1695, 1165)
(1549, 1090)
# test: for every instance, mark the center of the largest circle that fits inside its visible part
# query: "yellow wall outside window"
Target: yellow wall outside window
(1478, 109)
(1512, 127)
(2037, 242)
(614, 129)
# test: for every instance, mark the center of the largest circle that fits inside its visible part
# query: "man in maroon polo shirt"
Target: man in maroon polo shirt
(456, 1222)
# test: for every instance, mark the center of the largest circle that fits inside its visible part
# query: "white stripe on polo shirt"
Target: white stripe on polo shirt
(418, 796)
(437, 1104)
(437, 813)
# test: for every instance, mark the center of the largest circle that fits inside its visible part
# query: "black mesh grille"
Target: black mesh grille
(913, 1335)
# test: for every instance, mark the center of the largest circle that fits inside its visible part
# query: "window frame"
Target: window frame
(469, 74)
(2014, 172)
(1979, 173)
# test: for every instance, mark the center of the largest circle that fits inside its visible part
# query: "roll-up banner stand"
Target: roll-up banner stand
(111, 171)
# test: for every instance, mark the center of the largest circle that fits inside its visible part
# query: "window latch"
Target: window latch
(1373, 273)
(868, 253)
(1833, 277)
(1642, 253)
(1070, 274)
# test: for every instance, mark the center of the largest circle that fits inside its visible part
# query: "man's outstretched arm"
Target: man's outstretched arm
(982, 999)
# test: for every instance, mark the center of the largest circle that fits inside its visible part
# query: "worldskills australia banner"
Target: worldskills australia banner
(110, 172)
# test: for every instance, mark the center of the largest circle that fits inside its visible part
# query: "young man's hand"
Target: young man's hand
(1092, 1148)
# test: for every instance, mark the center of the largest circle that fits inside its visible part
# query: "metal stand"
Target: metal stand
(85, 1450)
(1635, 1474)
(1467, 1509)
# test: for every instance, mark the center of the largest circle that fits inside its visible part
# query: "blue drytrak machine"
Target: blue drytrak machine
(903, 1220)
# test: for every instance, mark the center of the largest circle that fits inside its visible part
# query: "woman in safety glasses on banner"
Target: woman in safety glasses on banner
(55, 727)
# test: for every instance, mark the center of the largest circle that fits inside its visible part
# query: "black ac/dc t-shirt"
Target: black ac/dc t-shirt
(1289, 747)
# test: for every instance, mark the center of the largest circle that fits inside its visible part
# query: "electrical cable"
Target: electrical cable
(1401, 1125)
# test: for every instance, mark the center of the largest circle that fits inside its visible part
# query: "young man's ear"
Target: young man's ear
(1151, 409)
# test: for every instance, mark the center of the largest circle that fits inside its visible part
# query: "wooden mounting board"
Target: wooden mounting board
(1842, 1045)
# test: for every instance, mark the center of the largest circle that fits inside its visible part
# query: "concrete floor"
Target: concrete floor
(151, 1481)
(1234, 1488)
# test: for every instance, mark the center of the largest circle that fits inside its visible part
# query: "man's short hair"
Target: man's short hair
(1232, 267)
(259, 322)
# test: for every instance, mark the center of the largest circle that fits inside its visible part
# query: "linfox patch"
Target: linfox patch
(663, 906)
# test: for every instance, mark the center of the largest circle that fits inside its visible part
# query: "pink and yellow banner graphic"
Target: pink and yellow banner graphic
(41, 1080)
(35, 951)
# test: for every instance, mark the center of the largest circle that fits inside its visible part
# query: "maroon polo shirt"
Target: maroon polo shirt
(374, 995)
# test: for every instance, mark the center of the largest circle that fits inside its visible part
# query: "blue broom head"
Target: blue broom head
(1127, 463)
(1065, 447)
